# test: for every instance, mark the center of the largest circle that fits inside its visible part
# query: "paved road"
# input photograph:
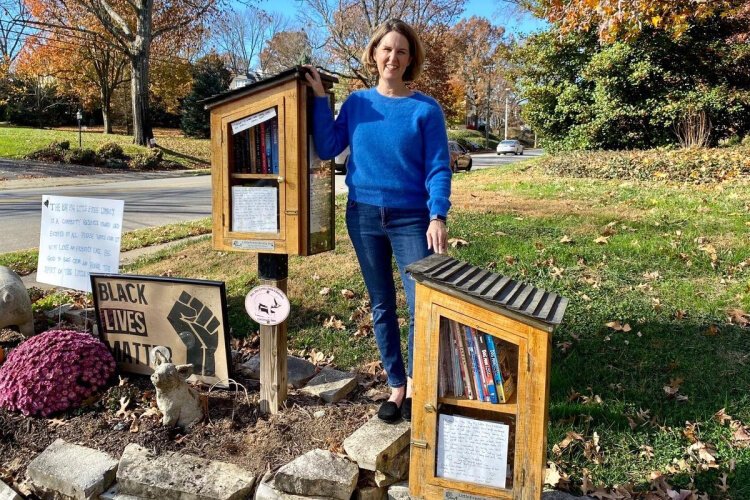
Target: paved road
(152, 202)
(147, 203)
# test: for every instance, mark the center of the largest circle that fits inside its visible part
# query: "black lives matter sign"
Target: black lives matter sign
(188, 317)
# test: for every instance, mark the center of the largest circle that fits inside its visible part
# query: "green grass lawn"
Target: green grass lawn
(17, 142)
(671, 261)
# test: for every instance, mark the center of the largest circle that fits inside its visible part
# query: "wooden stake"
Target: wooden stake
(273, 270)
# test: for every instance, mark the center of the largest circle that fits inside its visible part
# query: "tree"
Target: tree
(241, 35)
(347, 26)
(210, 77)
(132, 26)
(14, 17)
(628, 17)
(587, 94)
(284, 50)
(80, 63)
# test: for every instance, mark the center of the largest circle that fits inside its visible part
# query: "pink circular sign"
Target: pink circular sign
(267, 305)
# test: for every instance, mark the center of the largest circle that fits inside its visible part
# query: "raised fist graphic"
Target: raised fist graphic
(198, 329)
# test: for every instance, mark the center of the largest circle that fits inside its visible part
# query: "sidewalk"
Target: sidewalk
(125, 258)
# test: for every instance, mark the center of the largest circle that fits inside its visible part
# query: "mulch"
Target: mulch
(235, 431)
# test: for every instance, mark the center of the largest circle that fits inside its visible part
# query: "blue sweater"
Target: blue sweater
(398, 149)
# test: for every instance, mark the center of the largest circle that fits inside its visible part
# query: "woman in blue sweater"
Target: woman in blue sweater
(399, 182)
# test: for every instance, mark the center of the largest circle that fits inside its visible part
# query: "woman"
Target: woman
(399, 185)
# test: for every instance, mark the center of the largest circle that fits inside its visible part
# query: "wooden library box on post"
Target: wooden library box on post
(271, 191)
(481, 382)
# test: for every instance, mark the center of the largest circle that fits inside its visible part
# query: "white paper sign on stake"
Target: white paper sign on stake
(252, 120)
(78, 236)
(267, 305)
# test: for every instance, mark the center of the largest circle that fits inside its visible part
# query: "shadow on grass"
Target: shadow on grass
(183, 156)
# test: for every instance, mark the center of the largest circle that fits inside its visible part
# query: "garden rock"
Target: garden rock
(378, 446)
(370, 493)
(298, 371)
(179, 403)
(318, 472)
(267, 491)
(15, 305)
(175, 476)
(399, 491)
(331, 385)
(8, 493)
(72, 470)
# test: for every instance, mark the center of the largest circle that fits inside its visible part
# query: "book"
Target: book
(251, 152)
(504, 384)
(275, 145)
(444, 373)
(463, 360)
(474, 364)
(257, 149)
(488, 379)
(263, 151)
(269, 149)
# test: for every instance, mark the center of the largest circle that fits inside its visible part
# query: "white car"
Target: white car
(510, 146)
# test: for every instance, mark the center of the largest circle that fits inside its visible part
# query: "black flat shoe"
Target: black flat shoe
(389, 412)
(406, 409)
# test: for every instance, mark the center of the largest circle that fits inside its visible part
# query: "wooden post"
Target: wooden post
(273, 270)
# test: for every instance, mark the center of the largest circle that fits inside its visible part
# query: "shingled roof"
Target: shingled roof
(525, 303)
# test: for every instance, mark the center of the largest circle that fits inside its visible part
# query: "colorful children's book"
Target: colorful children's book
(503, 386)
(275, 145)
(480, 391)
(464, 364)
(489, 381)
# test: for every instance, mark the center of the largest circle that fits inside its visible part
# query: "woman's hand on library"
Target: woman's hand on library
(313, 78)
(437, 236)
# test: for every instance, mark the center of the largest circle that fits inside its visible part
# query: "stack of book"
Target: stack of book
(473, 365)
(256, 149)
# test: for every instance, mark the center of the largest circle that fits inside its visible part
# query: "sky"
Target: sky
(491, 9)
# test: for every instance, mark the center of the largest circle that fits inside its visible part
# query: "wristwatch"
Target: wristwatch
(441, 218)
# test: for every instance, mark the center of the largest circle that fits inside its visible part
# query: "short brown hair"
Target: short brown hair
(416, 51)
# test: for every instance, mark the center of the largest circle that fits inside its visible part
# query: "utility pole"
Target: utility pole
(507, 94)
(79, 117)
(487, 118)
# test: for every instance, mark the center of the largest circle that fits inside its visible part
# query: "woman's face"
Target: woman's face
(392, 57)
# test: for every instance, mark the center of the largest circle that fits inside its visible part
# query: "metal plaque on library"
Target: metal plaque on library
(267, 305)
(189, 317)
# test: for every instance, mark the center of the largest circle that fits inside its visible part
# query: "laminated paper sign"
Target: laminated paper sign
(78, 236)
(189, 317)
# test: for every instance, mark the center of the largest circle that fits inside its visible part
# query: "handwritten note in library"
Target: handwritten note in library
(78, 236)
(252, 120)
(254, 209)
(471, 450)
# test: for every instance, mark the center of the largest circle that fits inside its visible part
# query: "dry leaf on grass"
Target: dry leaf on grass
(602, 240)
(738, 317)
(618, 327)
(325, 291)
(457, 242)
(56, 422)
(647, 452)
(711, 331)
(552, 475)
(334, 323)
(347, 294)
(673, 388)
(566, 239)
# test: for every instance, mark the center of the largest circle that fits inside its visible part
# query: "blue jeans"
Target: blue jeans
(378, 234)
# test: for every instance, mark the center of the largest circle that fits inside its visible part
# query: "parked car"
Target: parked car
(339, 163)
(510, 146)
(460, 158)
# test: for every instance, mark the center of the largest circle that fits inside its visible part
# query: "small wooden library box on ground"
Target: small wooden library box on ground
(481, 382)
(271, 191)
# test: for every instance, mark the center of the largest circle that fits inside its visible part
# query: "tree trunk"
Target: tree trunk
(139, 77)
(106, 108)
(139, 90)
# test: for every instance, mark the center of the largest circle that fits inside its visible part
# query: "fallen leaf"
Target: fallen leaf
(552, 475)
(510, 260)
(334, 323)
(347, 294)
(741, 436)
(738, 317)
(457, 242)
(56, 422)
(325, 291)
(722, 484)
(566, 239)
(652, 276)
(721, 416)
(134, 427)
(711, 331)
(556, 273)
(602, 240)
(315, 277)
(376, 395)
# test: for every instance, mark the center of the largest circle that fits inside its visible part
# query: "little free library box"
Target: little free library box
(481, 382)
(271, 191)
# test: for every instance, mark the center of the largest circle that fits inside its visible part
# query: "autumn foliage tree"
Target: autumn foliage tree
(284, 50)
(132, 27)
(210, 77)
